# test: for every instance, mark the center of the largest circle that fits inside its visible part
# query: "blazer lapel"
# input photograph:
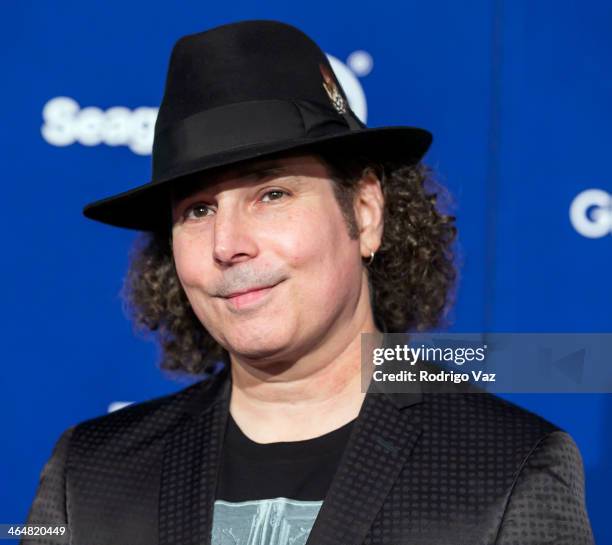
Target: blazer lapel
(190, 467)
(380, 443)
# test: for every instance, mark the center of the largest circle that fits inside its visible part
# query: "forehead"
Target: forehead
(249, 171)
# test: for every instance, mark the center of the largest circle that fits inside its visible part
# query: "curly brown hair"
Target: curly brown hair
(412, 278)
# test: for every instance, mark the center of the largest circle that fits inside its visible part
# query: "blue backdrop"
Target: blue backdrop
(516, 94)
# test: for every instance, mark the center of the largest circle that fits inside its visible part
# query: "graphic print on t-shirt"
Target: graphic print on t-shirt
(278, 521)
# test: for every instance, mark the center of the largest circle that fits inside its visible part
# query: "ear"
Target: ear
(369, 212)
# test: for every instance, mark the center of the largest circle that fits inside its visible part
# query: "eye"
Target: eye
(275, 192)
(197, 211)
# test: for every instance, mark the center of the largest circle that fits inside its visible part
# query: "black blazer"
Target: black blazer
(419, 469)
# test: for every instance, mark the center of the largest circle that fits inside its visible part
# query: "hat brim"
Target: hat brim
(147, 207)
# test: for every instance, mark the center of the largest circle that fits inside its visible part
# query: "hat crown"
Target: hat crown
(240, 62)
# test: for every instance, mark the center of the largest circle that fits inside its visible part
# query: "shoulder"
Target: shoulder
(140, 424)
(483, 412)
(481, 429)
(492, 448)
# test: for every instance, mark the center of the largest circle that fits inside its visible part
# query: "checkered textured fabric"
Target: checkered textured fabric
(461, 469)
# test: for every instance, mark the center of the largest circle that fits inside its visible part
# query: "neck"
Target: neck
(315, 395)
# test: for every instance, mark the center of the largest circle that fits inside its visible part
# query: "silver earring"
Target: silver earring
(371, 258)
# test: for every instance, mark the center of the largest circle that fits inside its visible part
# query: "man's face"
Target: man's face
(273, 226)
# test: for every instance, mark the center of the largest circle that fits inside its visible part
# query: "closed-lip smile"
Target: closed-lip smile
(250, 298)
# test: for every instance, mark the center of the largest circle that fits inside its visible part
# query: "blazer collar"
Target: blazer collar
(381, 441)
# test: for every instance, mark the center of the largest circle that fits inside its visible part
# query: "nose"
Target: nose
(234, 240)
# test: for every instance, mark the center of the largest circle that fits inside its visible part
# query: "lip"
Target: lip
(237, 293)
(249, 298)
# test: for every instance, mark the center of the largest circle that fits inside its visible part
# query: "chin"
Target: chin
(258, 355)
(257, 346)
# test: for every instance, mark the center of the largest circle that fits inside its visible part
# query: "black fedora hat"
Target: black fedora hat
(242, 91)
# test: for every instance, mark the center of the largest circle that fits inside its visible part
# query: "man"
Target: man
(278, 230)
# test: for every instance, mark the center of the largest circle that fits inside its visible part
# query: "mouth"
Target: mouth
(249, 298)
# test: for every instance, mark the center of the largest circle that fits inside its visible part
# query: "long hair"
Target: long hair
(411, 279)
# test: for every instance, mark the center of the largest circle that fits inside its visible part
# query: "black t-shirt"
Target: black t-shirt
(272, 492)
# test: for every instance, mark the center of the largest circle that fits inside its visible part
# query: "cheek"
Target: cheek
(308, 238)
(319, 245)
(188, 260)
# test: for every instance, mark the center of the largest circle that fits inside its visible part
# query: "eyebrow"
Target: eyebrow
(252, 173)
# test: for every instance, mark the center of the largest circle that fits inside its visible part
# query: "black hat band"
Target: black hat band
(229, 127)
